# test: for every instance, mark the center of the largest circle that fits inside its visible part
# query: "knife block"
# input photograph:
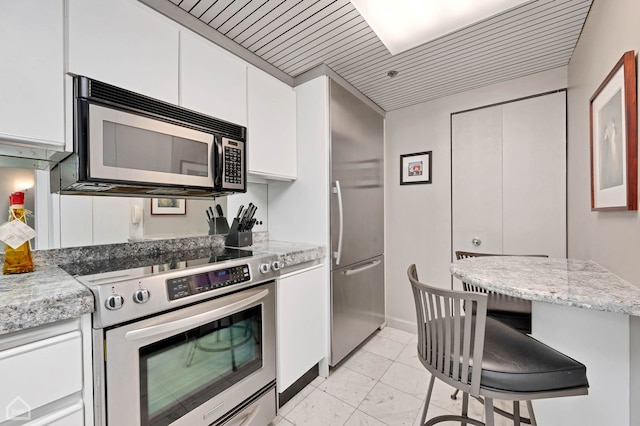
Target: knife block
(236, 238)
(218, 225)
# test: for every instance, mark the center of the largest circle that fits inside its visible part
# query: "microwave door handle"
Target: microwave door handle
(194, 321)
(216, 162)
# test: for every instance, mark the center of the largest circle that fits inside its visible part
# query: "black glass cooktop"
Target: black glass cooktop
(155, 263)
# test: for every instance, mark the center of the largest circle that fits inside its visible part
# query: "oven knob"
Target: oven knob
(113, 302)
(141, 295)
(265, 267)
(275, 265)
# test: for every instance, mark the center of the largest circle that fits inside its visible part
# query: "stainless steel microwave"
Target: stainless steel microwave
(127, 144)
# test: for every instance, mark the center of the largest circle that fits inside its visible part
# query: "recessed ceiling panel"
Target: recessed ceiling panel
(298, 35)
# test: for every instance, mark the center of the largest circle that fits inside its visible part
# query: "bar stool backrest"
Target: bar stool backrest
(450, 342)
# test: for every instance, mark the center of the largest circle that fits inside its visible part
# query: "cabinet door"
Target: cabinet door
(31, 75)
(212, 81)
(122, 42)
(40, 373)
(271, 127)
(509, 177)
(534, 176)
(476, 190)
(302, 323)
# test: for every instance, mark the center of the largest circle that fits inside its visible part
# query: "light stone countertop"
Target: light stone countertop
(44, 296)
(568, 282)
(291, 253)
(49, 294)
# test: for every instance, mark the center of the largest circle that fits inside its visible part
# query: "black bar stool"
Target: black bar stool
(513, 366)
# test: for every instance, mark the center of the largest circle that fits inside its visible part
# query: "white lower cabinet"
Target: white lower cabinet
(302, 323)
(43, 373)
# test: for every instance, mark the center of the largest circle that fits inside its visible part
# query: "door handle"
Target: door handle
(476, 241)
(370, 265)
(196, 320)
(338, 254)
(249, 419)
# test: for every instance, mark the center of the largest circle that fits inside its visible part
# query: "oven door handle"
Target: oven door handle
(251, 416)
(196, 320)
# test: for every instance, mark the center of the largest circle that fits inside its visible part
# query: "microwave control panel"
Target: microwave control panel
(190, 285)
(234, 164)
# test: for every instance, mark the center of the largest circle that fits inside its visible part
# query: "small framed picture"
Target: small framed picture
(168, 206)
(614, 139)
(415, 168)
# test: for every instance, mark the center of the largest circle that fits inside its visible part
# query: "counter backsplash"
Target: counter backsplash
(131, 250)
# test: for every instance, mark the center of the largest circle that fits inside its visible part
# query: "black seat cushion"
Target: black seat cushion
(515, 362)
(512, 311)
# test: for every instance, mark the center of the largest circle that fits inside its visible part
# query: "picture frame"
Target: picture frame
(168, 206)
(613, 126)
(415, 168)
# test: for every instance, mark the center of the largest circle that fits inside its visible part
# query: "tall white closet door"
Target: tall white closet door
(534, 176)
(477, 180)
(509, 178)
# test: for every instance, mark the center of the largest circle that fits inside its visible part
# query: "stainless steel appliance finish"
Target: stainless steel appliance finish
(130, 144)
(190, 342)
(357, 221)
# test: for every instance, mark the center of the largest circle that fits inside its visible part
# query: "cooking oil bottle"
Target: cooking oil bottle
(18, 260)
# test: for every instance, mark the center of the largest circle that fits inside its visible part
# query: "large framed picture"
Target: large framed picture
(168, 206)
(614, 139)
(415, 168)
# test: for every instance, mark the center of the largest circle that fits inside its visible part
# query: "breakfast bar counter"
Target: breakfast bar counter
(568, 282)
(584, 311)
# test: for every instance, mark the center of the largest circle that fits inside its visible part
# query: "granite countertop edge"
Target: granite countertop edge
(49, 294)
(567, 282)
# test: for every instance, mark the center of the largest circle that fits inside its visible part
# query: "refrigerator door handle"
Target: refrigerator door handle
(338, 254)
(370, 265)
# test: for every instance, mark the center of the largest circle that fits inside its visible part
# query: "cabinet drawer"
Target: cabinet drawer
(41, 372)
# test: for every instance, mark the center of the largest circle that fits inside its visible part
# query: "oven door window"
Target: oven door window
(179, 373)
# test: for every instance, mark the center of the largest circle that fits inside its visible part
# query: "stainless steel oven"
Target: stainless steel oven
(194, 345)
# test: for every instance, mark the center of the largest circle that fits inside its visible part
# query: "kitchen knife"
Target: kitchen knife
(219, 210)
(211, 211)
(239, 212)
(208, 215)
(245, 216)
(252, 212)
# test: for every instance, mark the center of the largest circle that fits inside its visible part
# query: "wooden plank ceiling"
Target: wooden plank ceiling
(297, 35)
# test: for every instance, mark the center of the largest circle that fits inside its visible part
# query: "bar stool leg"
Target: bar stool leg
(426, 402)
(488, 412)
(516, 413)
(465, 407)
(532, 416)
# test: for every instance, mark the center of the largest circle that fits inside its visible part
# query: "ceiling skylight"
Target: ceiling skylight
(403, 24)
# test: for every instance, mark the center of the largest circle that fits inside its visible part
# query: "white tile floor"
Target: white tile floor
(383, 383)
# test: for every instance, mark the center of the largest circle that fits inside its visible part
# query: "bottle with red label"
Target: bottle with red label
(18, 260)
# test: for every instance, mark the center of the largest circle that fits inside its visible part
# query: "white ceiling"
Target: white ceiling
(298, 35)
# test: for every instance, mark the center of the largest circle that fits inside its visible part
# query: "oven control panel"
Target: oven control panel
(190, 285)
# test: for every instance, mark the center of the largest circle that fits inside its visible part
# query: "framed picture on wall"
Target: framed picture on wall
(415, 168)
(174, 206)
(614, 139)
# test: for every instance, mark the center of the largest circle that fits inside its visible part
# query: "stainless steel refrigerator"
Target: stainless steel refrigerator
(357, 221)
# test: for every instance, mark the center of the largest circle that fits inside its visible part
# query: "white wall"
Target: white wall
(418, 217)
(612, 239)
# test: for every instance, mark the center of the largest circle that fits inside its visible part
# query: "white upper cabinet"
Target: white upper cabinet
(31, 74)
(271, 135)
(123, 43)
(212, 81)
